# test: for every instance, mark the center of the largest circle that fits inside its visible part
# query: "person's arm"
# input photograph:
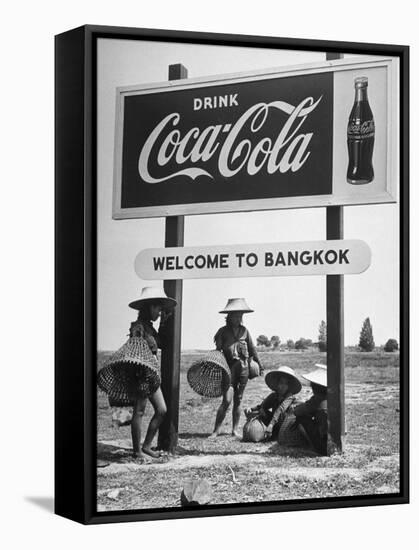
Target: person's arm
(161, 336)
(268, 402)
(263, 407)
(308, 408)
(280, 413)
(253, 412)
(253, 354)
(218, 340)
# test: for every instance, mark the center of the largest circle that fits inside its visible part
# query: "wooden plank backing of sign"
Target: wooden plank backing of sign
(335, 327)
(170, 358)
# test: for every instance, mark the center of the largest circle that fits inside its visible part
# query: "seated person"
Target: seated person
(312, 415)
(273, 409)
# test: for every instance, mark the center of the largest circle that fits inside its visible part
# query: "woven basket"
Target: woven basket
(209, 375)
(131, 371)
(254, 370)
(290, 437)
(254, 430)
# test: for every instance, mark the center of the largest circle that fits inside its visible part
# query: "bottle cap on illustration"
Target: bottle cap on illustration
(361, 82)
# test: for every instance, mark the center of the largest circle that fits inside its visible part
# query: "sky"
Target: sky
(290, 307)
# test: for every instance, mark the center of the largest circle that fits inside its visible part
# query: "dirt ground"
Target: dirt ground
(241, 472)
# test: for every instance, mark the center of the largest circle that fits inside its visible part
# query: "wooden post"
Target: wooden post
(335, 332)
(170, 357)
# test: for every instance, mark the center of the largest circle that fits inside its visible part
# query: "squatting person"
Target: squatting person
(312, 415)
(274, 408)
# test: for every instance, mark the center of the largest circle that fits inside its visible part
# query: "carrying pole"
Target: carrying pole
(335, 333)
(171, 356)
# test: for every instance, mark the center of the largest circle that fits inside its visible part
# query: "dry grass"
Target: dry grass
(248, 472)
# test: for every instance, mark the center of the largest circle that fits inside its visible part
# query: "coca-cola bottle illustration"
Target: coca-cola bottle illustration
(361, 134)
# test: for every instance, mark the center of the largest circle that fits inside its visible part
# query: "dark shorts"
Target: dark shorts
(239, 378)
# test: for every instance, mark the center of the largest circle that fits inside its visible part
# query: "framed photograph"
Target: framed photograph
(232, 287)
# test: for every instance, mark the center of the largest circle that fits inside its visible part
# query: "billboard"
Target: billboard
(284, 138)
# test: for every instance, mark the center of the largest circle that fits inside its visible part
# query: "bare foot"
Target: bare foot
(148, 451)
(213, 435)
(235, 433)
(141, 458)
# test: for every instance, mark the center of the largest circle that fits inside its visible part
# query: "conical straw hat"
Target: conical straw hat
(209, 375)
(237, 304)
(271, 379)
(318, 376)
(153, 294)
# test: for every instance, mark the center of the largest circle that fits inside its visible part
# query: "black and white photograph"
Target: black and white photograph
(209, 275)
(248, 335)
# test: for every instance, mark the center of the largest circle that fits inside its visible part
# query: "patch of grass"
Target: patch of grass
(263, 471)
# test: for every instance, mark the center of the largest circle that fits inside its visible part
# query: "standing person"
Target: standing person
(235, 342)
(132, 374)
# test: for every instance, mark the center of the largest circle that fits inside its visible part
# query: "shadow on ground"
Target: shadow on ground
(46, 503)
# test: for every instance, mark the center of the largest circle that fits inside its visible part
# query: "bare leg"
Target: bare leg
(238, 396)
(157, 400)
(222, 411)
(236, 414)
(137, 418)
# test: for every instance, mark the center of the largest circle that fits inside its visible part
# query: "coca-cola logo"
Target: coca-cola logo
(359, 129)
(234, 153)
(252, 139)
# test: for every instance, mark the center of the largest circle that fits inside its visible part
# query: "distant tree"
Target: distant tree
(366, 338)
(275, 341)
(303, 343)
(290, 344)
(263, 340)
(391, 345)
(322, 336)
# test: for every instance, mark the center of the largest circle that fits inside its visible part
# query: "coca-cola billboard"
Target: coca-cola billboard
(239, 143)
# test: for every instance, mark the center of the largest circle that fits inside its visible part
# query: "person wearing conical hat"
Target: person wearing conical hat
(312, 415)
(235, 342)
(272, 411)
(132, 374)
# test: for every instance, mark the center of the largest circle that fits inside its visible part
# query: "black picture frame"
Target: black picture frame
(75, 271)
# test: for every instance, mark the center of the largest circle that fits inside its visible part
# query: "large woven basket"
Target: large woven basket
(131, 371)
(290, 435)
(254, 430)
(209, 375)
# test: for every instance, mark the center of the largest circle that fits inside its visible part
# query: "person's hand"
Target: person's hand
(261, 369)
(268, 431)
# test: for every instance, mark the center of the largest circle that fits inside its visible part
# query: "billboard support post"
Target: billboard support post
(171, 352)
(335, 332)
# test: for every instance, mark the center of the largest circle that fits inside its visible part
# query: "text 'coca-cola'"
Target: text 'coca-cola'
(262, 139)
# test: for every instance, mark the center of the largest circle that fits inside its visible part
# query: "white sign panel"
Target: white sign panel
(332, 257)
